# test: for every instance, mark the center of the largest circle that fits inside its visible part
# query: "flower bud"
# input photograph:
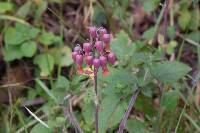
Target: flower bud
(111, 58)
(105, 70)
(77, 48)
(89, 60)
(106, 38)
(74, 54)
(79, 59)
(103, 61)
(93, 31)
(103, 31)
(99, 46)
(87, 47)
(96, 63)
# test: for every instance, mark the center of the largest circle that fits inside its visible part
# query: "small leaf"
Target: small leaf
(28, 48)
(149, 34)
(48, 38)
(171, 46)
(184, 19)
(62, 82)
(24, 9)
(170, 100)
(12, 52)
(45, 62)
(168, 72)
(42, 6)
(5, 6)
(161, 39)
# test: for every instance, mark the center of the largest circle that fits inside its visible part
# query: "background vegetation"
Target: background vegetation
(158, 53)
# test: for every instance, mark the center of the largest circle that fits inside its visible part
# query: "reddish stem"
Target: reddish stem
(96, 102)
(127, 113)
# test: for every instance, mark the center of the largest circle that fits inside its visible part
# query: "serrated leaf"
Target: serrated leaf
(122, 45)
(108, 106)
(45, 62)
(168, 72)
(170, 100)
(28, 48)
(5, 6)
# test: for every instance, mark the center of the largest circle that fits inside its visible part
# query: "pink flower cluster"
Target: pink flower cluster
(96, 52)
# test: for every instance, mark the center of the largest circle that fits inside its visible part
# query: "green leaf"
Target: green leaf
(118, 114)
(150, 5)
(122, 46)
(108, 106)
(45, 62)
(39, 128)
(40, 9)
(88, 111)
(62, 56)
(24, 9)
(46, 89)
(62, 82)
(149, 34)
(120, 76)
(19, 34)
(184, 19)
(170, 100)
(170, 47)
(12, 52)
(136, 126)
(28, 49)
(168, 72)
(48, 38)
(5, 6)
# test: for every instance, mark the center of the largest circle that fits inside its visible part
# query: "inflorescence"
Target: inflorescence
(95, 53)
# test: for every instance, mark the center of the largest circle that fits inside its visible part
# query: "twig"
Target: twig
(127, 113)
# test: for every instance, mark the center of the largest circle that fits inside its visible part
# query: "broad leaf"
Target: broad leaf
(168, 72)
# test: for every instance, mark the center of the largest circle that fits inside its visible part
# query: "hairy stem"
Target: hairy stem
(96, 102)
(127, 113)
